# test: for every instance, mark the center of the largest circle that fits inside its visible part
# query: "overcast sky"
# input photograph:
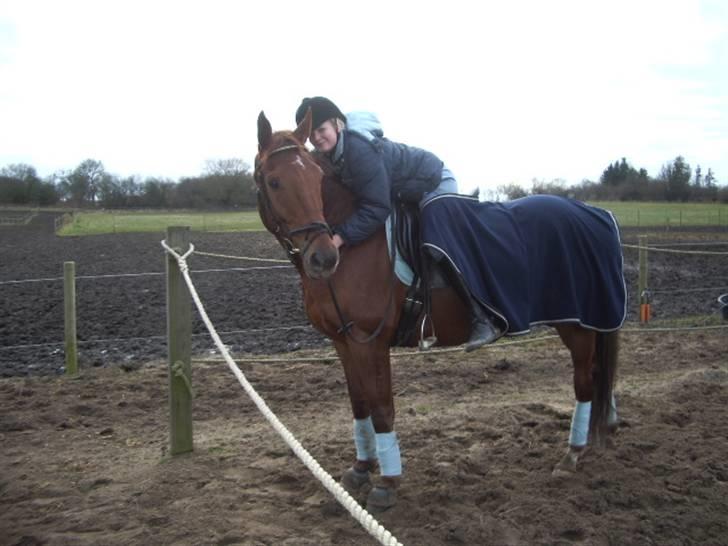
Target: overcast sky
(504, 92)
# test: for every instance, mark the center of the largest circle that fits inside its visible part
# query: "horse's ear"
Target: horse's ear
(265, 132)
(303, 131)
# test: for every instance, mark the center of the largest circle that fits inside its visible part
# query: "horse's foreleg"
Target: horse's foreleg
(369, 381)
(368, 377)
(365, 441)
(356, 479)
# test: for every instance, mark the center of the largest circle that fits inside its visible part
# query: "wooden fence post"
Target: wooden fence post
(179, 339)
(69, 317)
(642, 296)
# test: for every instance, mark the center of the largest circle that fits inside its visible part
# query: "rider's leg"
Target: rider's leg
(483, 328)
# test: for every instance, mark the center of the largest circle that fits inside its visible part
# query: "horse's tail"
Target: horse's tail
(605, 375)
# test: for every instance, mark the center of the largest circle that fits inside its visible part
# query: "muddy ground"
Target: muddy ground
(256, 306)
(84, 461)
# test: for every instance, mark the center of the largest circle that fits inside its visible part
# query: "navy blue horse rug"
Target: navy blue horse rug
(539, 259)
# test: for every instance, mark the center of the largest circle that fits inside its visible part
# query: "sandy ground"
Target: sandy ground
(85, 461)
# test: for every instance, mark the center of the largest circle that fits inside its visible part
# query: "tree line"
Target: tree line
(620, 181)
(229, 184)
(224, 184)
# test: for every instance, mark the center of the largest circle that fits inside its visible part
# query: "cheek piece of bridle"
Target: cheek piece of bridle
(313, 231)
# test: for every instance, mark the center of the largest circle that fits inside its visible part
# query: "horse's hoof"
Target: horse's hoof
(559, 472)
(355, 482)
(566, 467)
(381, 499)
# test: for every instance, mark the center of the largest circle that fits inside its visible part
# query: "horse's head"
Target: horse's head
(289, 197)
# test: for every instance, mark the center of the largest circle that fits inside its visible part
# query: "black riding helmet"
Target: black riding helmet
(321, 110)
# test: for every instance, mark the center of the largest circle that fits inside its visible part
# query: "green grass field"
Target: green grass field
(629, 214)
(94, 223)
(639, 214)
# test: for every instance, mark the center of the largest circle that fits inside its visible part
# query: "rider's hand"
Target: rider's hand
(337, 240)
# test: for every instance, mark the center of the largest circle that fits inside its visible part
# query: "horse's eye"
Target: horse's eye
(274, 183)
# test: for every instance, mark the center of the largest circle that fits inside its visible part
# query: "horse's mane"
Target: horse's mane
(339, 201)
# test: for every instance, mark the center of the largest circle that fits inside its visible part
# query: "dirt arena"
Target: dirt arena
(84, 461)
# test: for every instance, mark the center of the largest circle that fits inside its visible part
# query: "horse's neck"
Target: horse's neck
(370, 255)
(339, 202)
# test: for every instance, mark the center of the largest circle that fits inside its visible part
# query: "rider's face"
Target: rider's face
(324, 136)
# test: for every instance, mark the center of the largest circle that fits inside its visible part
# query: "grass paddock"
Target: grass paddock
(628, 214)
(99, 222)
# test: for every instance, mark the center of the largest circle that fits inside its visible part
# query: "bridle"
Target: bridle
(312, 230)
(316, 229)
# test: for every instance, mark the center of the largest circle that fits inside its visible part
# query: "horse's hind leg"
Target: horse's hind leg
(613, 419)
(582, 346)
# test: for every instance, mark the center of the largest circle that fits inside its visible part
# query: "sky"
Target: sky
(503, 92)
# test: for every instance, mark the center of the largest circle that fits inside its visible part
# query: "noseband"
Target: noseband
(312, 230)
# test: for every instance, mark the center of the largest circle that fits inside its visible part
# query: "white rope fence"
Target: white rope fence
(648, 329)
(151, 274)
(693, 243)
(248, 258)
(654, 248)
(330, 357)
(367, 521)
(148, 338)
(686, 290)
(674, 250)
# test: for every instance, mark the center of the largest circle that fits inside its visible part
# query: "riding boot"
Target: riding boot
(483, 330)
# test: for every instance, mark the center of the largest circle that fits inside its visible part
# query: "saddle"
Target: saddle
(428, 273)
(431, 271)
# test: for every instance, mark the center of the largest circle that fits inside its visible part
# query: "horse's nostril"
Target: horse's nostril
(315, 260)
(330, 261)
(323, 260)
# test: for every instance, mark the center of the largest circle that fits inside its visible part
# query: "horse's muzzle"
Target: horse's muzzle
(321, 261)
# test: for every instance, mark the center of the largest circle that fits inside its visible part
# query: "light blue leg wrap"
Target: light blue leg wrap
(580, 424)
(613, 418)
(390, 462)
(365, 440)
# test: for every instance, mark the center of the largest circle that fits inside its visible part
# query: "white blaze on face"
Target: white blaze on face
(299, 161)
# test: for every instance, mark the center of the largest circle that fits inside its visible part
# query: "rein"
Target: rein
(347, 326)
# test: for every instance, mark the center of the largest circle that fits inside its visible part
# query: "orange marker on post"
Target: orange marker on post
(645, 309)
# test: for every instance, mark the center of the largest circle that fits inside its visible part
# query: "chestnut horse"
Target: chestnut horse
(353, 298)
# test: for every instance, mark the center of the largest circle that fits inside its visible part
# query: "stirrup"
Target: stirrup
(426, 343)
